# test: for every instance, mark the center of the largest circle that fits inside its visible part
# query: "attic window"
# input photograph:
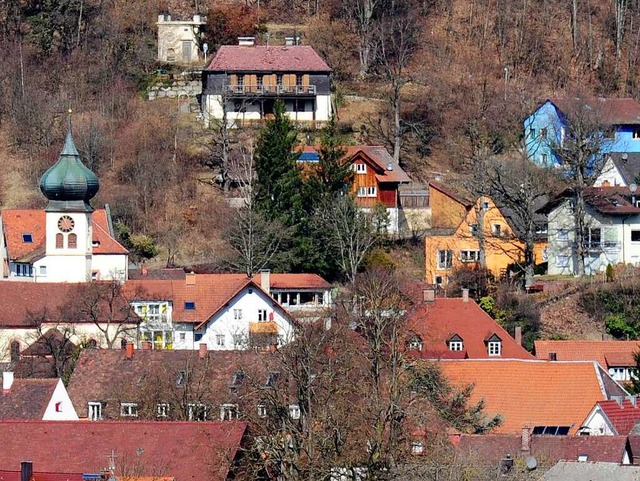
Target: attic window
(27, 238)
(189, 305)
(272, 379)
(415, 343)
(455, 345)
(360, 168)
(95, 243)
(238, 377)
(182, 376)
(494, 348)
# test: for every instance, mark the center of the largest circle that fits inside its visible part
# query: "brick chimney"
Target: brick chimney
(428, 296)
(526, 439)
(144, 270)
(265, 280)
(128, 350)
(519, 335)
(7, 380)
(465, 295)
(146, 345)
(190, 279)
(202, 351)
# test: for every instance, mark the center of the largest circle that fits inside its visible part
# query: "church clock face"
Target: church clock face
(65, 223)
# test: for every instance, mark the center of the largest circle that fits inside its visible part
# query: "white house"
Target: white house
(68, 241)
(223, 311)
(179, 40)
(35, 399)
(612, 230)
(615, 417)
(243, 81)
(620, 169)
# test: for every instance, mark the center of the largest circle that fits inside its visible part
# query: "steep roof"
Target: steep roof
(574, 471)
(16, 222)
(623, 416)
(628, 164)
(608, 200)
(533, 393)
(611, 111)
(606, 353)
(489, 449)
(259, 58)
(185, 450)
(449, 192)
(437, 322)
(27, 399)
(40, 476)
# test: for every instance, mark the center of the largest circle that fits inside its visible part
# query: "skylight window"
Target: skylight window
(27, 238)
(189, 305)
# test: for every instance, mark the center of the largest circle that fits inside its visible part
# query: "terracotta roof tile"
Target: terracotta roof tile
(298, 58)
(40, 476)
(435, 323)
(531, 393)
(188, 451)
(600, 351)
(27, 399)
(15, 223)
(295, 281)
(624, 417)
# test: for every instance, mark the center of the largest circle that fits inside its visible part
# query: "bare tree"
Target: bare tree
(363, 15)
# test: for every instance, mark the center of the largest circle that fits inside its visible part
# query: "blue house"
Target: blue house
(546, 126)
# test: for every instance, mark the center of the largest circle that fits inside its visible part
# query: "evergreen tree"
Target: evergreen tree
(278, 189)
(334, 169)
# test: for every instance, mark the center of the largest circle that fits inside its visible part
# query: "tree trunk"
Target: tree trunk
(397, 134)
(574, 25)
(579, 214)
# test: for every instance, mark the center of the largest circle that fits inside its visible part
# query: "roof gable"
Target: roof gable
(599, 351)
(27, 399)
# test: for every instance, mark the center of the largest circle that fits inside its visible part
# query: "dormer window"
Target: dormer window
(238, 377)
(415, 343)
(496, 230)
(455, 343)
(494, 346)
(27, 238)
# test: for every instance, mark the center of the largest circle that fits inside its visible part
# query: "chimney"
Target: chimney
(428, 296)
(202, 351)
(519, 335)
(7, 380)
(265, 280)
(553, 356)
(190, 279)
(465, 295)
(26, 471)
(146, 345)
(128, 350)
(161, 18)
(390, 166)
(246, 41)
(526, 439)
(144, 271)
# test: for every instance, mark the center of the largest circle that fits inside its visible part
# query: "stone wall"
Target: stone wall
(176, 89)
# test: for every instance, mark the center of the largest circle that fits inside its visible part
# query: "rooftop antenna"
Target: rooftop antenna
(69, 112)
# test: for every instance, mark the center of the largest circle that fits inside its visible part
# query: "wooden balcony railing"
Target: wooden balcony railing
(271, 89)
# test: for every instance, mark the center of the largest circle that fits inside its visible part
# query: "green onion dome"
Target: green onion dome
(69, 184)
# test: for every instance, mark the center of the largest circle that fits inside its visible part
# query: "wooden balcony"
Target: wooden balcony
(270, 90)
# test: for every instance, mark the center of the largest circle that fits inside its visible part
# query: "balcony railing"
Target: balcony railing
(271, 89)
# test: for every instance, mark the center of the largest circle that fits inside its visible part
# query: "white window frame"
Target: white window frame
(494, 348)
(456, 346)
(43, 271)
(191, 407)
(496, 230)
(362, 192)
(294, 411)
(162, 410)
(446, 262)
(94, 410)
(415, 344)
(562, 261)
(228, 412)
(360, 168)
(635, 135)
(129, 410)
(220, 341)
(262, 411)
(237, 314)
(262, 315)
(372, 192)
(470, 255)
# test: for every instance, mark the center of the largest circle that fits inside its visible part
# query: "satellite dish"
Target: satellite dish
(531, 462)
(633, 187)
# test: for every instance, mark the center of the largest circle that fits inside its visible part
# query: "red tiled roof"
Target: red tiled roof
(604, 352)
(380, 158)
(437, 322)
(490, 449)
(15, 223)
(27, 399)
(237, 58)
(295, 281)
(188, 451)
(612, 111)
(531, 393)
(40, 476)
(624, 417)
(23, 303)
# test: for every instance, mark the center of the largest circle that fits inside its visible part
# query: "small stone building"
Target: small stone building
(179, 40)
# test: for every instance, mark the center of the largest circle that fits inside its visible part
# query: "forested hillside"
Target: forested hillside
(461, 75)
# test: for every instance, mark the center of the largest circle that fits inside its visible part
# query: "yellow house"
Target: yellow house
(448, 248)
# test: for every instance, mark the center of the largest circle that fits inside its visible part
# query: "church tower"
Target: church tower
(69, 185)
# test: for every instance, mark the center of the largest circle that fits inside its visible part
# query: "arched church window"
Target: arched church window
(72, 241)
(59, 241)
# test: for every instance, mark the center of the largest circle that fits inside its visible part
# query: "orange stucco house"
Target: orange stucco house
(453, 241)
